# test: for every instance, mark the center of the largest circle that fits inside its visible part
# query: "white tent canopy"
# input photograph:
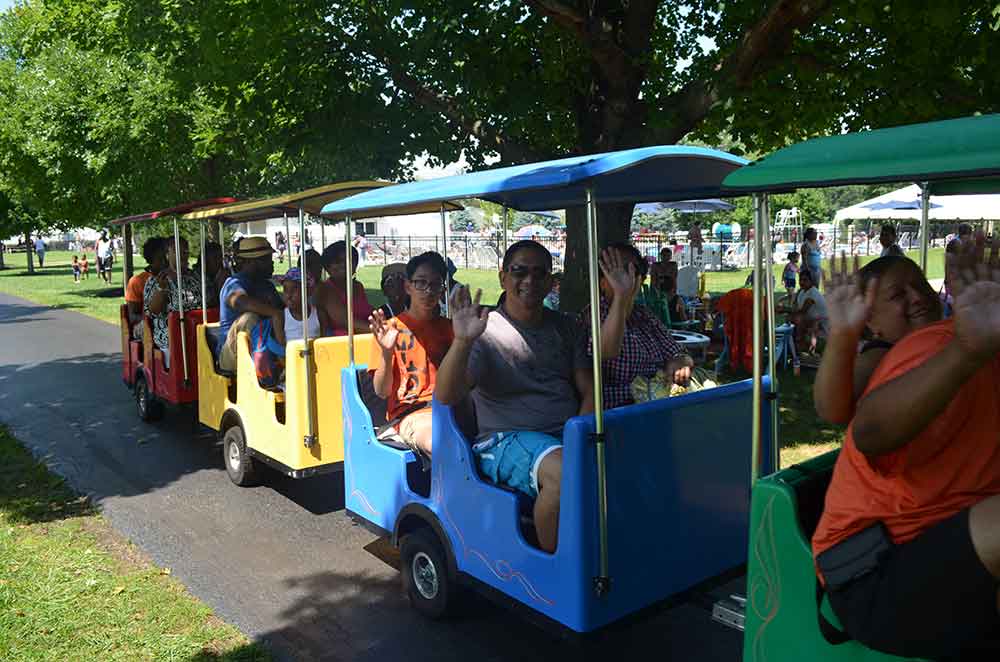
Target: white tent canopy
(904, 203)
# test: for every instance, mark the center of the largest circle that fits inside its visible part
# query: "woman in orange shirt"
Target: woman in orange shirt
(908, 547)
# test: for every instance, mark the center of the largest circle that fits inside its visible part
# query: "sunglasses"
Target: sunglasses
(520, 271)
(422, 285)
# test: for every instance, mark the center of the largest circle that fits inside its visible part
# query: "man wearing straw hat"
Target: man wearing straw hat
(249, 295)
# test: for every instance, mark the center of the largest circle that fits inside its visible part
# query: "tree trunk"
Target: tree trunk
(613, 224)
(30, 253)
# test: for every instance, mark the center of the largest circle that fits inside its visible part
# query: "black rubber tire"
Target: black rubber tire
(147, 406)
(433, 596)
(242, 469)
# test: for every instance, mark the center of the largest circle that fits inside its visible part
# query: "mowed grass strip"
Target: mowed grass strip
(72, 589)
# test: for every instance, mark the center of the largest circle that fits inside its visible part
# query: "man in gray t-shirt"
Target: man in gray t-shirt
(527, 373)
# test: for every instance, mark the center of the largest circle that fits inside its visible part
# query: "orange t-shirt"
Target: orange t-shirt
(953, 464)
(420, 348)
(136, 284)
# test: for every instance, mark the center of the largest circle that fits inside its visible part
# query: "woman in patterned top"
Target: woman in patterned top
(161, 295)
(634, 343)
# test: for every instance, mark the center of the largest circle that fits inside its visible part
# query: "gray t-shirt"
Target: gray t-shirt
(524, 375)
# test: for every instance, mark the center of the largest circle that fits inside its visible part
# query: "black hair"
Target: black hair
(213, 247)
(152, 246)
(337, 250)
(432, 260)
(808, 272)
(641, 266)
(792, 254)
(525, 244)
(883, 265)
(891, 229)
(809, 231)
(964, 228)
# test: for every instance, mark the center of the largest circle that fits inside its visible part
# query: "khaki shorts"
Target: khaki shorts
(411, 423)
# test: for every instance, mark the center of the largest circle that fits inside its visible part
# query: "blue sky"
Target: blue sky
(4, 4)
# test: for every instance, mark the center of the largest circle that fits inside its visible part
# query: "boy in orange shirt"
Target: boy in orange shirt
(408, 349)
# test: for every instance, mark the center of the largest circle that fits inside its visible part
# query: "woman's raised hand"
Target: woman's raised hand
(384, 332)
(468, 318)
(977, 305)
(847, 306)
(619, 271)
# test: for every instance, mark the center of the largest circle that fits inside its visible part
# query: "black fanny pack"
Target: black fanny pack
(854, 557)
(845, 562)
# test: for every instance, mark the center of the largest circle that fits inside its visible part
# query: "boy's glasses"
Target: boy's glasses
(520, 271)
(422, 285)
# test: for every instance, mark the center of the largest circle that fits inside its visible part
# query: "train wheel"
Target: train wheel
(240, 466)
(148, 407)
(425, 574)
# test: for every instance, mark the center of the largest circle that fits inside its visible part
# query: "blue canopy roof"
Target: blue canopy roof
(646, 174)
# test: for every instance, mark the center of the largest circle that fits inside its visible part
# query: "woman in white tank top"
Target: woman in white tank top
(291, 285)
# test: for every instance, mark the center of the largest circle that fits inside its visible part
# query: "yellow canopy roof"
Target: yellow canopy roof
(311, 201)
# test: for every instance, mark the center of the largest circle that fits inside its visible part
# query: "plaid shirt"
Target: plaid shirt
(646, 347)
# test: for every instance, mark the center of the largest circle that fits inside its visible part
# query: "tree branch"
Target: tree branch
(761, 46)
(483, 132)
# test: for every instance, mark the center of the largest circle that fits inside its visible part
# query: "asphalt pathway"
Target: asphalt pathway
(282, 561)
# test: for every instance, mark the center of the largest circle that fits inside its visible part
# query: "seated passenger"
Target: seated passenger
(394, 288)
(291, 290)
(868, 313)
(633, 342)
(248, 296)
(407, 351)
(907, 546)
(213, 265)
(808, 312)
(165, 293)
(314, 267)
(154, 252)
(527, 372)
(331, 296)
(552, 298)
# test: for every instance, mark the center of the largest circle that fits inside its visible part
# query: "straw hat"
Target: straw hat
(251, 247)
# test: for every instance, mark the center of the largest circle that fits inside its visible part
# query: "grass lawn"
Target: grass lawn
(72, 589)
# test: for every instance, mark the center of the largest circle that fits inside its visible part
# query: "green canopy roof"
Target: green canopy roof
(951, 149)
(966, 186)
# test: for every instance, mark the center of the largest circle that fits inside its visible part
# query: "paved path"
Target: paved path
(281, 561)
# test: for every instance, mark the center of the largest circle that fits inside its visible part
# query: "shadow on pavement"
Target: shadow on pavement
(363, 618)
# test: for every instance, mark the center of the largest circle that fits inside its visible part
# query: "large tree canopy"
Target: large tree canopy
(260, 95)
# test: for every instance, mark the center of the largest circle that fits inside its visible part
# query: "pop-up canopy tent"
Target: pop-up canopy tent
(905, 203)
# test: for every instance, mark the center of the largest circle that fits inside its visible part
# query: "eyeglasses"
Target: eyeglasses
(520, 271)
(422, 285)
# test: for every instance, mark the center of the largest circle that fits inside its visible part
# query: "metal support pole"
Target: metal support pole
(505, 223)
(204, 279)
(925, 213)
(322, 233)
(310, 438)
(288, 240)
(222, 242)
(602, 583)
(771, 339)
(127, 248)
(444, 240)
(349, 289)
(180, 299)
(758, 226)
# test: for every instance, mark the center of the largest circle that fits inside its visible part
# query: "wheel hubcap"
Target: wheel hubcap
(425, 576)
(234, 456)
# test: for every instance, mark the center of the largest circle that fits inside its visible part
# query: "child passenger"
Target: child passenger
(291, 294)
(789, 275)
(76, 269)
(407, 351)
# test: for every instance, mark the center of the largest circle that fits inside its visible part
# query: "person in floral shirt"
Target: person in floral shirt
(161, 296)
(634, 343)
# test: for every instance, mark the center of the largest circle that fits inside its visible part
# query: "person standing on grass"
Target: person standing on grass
(40, 251)
(105, 257)
(76, 270)
(85, 267)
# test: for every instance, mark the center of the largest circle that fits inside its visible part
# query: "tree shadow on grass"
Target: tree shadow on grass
(29, 493)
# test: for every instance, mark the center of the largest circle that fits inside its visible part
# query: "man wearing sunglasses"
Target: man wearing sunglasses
(527, 372)
(407, 351)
